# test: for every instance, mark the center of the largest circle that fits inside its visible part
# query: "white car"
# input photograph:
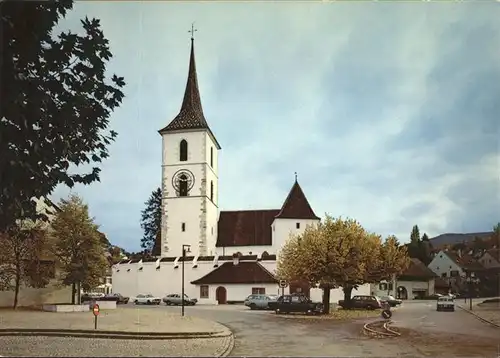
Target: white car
(147, 299)
(445, 303)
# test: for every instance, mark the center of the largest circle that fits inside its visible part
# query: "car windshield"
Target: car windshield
(445, 299)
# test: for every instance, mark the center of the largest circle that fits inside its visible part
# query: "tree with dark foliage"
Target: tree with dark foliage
(151, 220)
(55, 104)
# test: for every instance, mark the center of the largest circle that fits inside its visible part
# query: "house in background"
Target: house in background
(453, 267)
(491, 258)
(415, 282)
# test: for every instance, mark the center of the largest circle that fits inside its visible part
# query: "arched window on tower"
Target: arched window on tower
(212, 157)
(183, 150)
(211, 190)
(183, 185)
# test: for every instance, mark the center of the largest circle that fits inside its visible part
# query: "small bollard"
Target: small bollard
(95, 311)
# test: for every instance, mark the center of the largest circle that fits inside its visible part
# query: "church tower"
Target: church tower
(189, 176)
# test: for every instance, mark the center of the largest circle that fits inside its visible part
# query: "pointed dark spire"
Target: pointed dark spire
(191, 114)
(296, 205)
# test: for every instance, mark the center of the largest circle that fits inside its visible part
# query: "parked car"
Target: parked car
(260, 301)
(362, 302)
(147, 299)
(91, 296)
(390, 300)
(297, 304)
(445, 303)
(175, 299)
(119, 298)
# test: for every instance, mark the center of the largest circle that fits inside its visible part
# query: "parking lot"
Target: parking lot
(426, 332)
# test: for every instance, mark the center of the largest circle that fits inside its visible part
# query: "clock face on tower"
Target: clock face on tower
(183, 182)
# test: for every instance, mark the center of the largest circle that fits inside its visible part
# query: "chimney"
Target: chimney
(459, 252)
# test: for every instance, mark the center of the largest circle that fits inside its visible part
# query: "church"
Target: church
(221, 256)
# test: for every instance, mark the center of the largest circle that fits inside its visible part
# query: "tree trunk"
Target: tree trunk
(326, 300)
(79, 293)
(73, 290)
(347, 295)
(17, 286)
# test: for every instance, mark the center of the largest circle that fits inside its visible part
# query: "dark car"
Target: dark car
(119, 298)
(390, 300)
(296, 304)
(362, 302)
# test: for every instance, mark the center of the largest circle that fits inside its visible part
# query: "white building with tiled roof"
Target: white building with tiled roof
(229, 254)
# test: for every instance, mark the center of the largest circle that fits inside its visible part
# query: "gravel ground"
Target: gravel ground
(80, 347)
(128, 320)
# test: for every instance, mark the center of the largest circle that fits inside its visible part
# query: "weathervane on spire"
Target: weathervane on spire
(192, 31)
(295, 176)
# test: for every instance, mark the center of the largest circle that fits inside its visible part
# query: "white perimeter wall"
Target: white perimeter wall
(169, 280)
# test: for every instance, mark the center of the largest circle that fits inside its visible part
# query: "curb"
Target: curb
(227, 346)
(112, 334)
(479, 317)
(385, 325)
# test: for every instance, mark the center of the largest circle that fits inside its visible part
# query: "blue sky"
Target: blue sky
(388, 112)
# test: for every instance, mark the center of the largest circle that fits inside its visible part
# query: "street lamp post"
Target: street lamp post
(471, 280)
(185, 248)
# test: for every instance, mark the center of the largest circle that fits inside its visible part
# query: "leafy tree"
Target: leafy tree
(20, 257)
(425, 237)
(151, 220)
(340, 253)
(55, 105)
(77, 244)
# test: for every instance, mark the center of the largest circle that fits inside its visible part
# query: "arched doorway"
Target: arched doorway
(402, 293)
(221, 295)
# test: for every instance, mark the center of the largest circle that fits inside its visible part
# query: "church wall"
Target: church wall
(171, 150)
(284, 228)
(180, 210)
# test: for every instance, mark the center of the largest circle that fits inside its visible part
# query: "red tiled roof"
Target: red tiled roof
(245, 228)
(417, 269)
(242, 273)
(465, 261)
(296, 205)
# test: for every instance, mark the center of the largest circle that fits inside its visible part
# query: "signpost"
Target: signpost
(283, 284)
(95, 311)
(387, 314)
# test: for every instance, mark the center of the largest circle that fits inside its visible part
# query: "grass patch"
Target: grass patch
(492, 300)
(339, 315)
(342, 314)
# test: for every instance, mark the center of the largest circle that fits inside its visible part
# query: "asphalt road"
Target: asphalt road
(425, 332)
